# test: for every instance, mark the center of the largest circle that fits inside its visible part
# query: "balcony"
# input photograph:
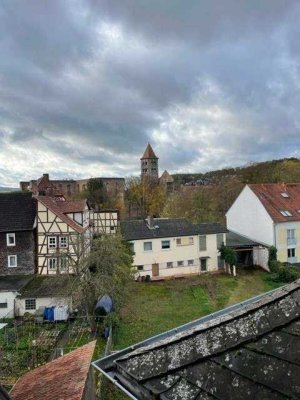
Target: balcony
(291, 241)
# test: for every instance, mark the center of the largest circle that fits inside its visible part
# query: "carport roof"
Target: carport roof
(235, 240)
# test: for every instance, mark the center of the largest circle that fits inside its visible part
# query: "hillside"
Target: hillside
(283, 170)
(4, 189)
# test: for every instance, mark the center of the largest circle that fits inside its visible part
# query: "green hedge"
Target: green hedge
(283, 272)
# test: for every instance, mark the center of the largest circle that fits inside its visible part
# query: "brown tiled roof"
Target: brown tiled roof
(61, 379)
(149, 153)
(72, 206)
(249, 351)
(270, 195)
(57, 208)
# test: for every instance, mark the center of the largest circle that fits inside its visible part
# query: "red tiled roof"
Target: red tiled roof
(270, 195)
(60, 379)
(149, 153)
(57, 208)
(72, 206)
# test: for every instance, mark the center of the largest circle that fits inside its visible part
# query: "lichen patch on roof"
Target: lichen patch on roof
(252, 352)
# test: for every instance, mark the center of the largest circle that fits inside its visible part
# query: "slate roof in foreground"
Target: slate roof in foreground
(60, 379)
(166, 227)
(249, 351)
(17, 212)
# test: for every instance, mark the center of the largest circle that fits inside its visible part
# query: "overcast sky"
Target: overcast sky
(84, 85)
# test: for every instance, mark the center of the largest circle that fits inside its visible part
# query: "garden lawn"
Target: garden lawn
(156, 307)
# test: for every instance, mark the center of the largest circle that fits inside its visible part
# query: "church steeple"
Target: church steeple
(149, 164)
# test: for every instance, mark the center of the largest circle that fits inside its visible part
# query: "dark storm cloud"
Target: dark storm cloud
(84, 85)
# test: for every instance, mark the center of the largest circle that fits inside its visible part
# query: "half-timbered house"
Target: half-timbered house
(63, 234)
(104, 221)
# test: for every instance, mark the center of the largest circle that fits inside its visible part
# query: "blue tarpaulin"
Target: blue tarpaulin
(105, 302)
(49, 313)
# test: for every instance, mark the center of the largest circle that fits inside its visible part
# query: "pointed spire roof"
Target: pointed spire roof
(149, 153)
(166, 177)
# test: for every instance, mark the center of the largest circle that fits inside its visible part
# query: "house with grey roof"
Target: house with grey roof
(173, 247)
(17, 233)
(44, 291)
(10, 288)
(248, 351)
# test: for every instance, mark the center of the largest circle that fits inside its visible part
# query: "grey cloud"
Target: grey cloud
(70, 87)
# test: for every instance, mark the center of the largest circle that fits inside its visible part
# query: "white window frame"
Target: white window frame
(147, 243)
(169, 264)
(191, 262)
(291, 250)
(63, 259)
(63, 245)
(284, 194)
(52, 260)
(291, 233)
(191, 240)
(286, 213)
(165, 241)
(32, 303)
(8, 236)
(180, 263)
(9, 261)
(54, 244)
(204, 248)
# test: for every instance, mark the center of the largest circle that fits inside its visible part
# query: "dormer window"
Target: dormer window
(10, 239)
(286, 213)
(284, 194)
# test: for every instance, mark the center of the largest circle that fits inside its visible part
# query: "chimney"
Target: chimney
(150, 222)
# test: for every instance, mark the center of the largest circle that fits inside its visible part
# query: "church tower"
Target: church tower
(149, 164)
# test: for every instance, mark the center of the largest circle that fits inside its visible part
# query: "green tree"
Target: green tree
(144, 197)
(97, 193)
(228, 255)
(107, 270)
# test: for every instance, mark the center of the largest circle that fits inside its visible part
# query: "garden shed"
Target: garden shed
(42, 292)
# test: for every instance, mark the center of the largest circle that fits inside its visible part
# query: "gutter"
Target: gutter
(105, 363)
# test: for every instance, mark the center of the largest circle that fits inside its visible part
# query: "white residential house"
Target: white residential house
(269, 214)
(174, 247)
(10, 288)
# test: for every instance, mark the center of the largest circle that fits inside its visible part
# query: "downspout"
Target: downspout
(275, 239)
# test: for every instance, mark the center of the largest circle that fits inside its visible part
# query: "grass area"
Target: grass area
(157, 307)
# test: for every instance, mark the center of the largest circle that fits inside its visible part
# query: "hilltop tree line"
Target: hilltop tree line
(197, 197)
(209, 200)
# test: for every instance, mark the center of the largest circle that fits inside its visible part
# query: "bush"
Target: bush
(272, 256)
(288, 274)
(274, 266)
(283, 272)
